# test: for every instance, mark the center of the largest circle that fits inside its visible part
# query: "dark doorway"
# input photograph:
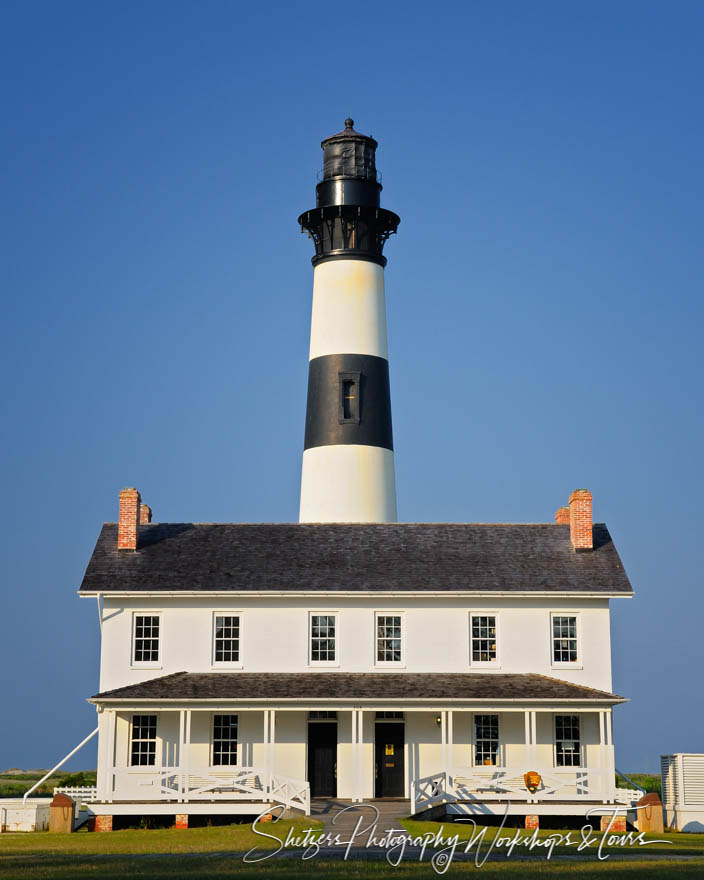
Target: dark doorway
(322, 758)
(388, 753)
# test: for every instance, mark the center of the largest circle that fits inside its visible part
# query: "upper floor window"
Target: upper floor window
(388, 638)
(323, 638)
(486, 740)
(567, 741)
(483, 637)
(226, 643)
(564, 639)
(146, 638)
(224, 740)
(143, 744)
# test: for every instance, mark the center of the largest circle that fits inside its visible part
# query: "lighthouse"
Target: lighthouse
(348, 457)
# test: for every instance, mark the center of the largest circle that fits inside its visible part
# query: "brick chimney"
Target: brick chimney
(581, 520)
(145, 514)
(562, 516)
(128, 523)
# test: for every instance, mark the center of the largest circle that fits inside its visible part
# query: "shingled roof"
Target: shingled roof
(382, 686)
(408, 557)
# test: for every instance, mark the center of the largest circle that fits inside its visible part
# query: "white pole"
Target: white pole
(450, 743)
(360, 749)
(272, 740)
(60, 764)
(187, 754)
(181, 740)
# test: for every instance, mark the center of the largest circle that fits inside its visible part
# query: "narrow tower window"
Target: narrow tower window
(349, 397)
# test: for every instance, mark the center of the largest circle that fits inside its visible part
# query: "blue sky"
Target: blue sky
(544, 296)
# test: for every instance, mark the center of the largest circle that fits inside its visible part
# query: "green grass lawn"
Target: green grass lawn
(212, 852)
(678, 843)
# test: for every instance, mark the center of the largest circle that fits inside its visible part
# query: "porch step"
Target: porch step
(328, 811)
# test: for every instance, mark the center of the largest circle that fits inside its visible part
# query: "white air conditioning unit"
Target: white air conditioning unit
(683, 791)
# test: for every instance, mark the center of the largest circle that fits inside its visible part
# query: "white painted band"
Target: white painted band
(348, 483)
(349, 309)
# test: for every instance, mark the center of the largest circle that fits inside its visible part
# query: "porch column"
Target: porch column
(527, 738)
(265, 747)
(450, 744)
(181, 739)
(187, 753)
(602, 754)
(272, 740)
(534, 736)
(353, 738)
(443, 739)
(360, 754)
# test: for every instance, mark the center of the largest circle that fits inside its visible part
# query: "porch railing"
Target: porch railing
(506, 783)
(234, 784)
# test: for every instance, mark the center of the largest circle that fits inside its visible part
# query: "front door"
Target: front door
(322, 758)
(389, 759)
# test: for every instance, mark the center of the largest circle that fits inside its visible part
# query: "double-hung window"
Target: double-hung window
(143, 741)
(567, 741)
(565, 647)
(389, 639)
(486, 740)
(323, 638)
(483, 640)
(226, 639)
(224, 740)
(146, 640)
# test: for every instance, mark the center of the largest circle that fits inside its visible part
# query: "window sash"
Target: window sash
(564, 639)
(388, 638)
(486, 740)
(146, 638)
(143, 741)
(567, 741)
(484, 638)
(224, 740)
(323, 638)
(227, 638)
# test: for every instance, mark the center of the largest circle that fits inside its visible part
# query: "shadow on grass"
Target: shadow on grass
(184, 867)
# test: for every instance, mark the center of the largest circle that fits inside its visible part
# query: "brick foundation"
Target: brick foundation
(182, 820)
(532, 822)
(618, 825)
(103, 823)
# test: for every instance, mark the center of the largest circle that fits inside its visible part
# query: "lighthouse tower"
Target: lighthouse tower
(348, 460)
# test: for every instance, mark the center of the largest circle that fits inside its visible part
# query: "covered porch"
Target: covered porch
(173, 744)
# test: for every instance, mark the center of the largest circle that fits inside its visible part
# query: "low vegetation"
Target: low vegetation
(13, 785)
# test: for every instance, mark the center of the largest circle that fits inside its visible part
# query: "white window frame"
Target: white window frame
(213, 765)
(567, 664)
(390, 664)
(147, 664)
(226, 664)
(144, 768)
(328, 663)
(500, 757)
(582, 745)
(486, 664)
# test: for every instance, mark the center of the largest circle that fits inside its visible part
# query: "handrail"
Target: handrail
(629, 781)
(60, 764)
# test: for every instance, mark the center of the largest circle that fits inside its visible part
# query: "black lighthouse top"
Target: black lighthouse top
(348, 222)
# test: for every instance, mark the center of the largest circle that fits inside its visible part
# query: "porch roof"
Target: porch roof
(346, 686)
(356, 558)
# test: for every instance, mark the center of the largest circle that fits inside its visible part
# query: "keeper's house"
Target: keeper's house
(349, 655)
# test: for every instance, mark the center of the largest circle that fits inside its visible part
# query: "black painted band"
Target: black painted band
(368, 423)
